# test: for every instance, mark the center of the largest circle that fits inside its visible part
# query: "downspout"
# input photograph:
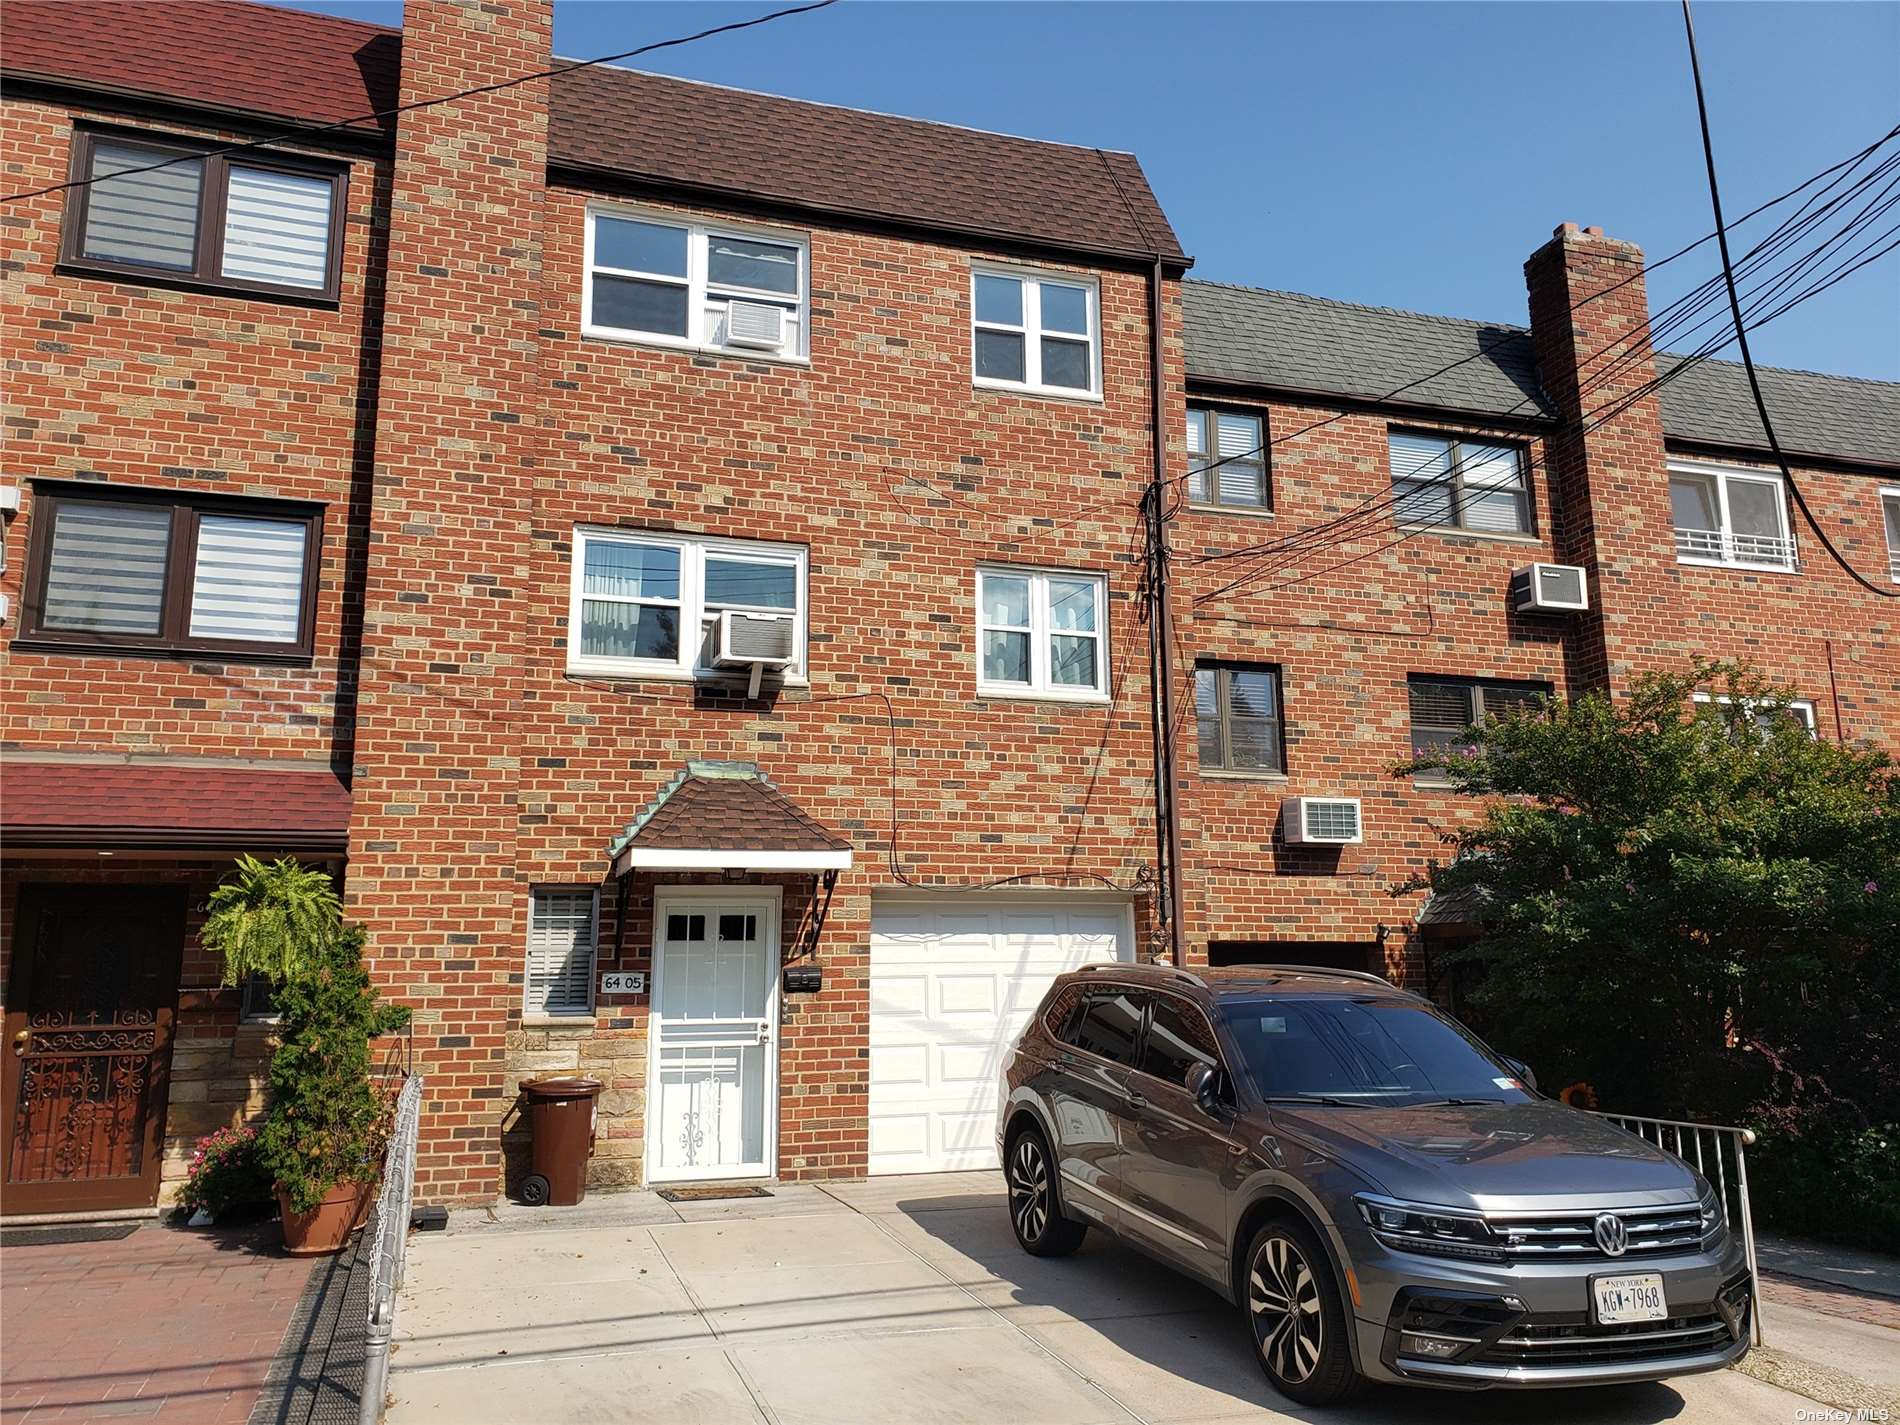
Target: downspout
(1161, 622)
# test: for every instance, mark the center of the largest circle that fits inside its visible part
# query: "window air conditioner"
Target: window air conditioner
(759, 325)
(1550, 589)
(757, 641)
(1321, 821)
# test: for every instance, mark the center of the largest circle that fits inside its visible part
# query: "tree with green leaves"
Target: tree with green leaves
(1691, 905)
(327, 1122)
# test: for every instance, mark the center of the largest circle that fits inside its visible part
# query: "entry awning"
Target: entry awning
(726, 816)
(1454, 912)
(117, 805)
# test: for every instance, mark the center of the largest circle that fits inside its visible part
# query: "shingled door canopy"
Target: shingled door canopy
(726, 816)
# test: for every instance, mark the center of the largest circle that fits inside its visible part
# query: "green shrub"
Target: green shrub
(226, 1176)
(1834, 1182)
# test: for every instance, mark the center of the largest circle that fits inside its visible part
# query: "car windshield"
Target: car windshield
(1356, 1050)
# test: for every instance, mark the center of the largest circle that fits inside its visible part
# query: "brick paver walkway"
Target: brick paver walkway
(168, 1324)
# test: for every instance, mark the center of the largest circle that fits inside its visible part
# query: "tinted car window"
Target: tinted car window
(1108, 1026)
(1178, 1038)
(1363, 1051)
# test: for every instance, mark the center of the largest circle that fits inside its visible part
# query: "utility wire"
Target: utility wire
(1741, 330)
(313, 131)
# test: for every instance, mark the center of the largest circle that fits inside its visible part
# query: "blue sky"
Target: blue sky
(1407, 155)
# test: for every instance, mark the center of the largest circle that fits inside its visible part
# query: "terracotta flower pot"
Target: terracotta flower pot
(327, 1226)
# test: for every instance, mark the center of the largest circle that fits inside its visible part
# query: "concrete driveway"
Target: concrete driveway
(900, 1300)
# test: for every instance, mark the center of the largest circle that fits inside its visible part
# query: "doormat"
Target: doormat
(710, 1192)
(60, 1236)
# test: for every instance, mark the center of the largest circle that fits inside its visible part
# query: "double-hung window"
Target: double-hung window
(1035, 333)
(1457, 482)
(1227, 459)
(1237, 715)
(249, 222)
(1890, 513)
(1764, 718)
(163, 571)
(563, 928)
(1041, 633)
(710, 287)
(1444, 710)
(648, 605)
(1730, 517)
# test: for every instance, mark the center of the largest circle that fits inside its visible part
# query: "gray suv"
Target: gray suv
(1384, 1197)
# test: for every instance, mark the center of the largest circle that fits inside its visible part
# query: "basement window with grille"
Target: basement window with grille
(172, 209)
(563, 930)
(117, 568)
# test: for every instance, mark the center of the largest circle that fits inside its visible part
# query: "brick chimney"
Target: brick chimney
(433, 843)
(1589, 327)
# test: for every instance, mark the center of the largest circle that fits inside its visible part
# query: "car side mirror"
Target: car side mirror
(1203, 1081)
(1523, 1071)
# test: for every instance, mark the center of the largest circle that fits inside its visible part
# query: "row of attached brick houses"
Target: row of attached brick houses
(385, 498)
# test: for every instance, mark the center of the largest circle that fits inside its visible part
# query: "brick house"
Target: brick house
(674, 553)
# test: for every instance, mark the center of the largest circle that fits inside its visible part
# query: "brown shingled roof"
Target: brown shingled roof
(728, 807)
(104, 805)
(285, 64)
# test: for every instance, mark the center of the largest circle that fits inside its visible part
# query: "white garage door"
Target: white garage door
(953, 981)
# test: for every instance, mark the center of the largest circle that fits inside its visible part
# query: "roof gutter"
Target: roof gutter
(1422, 410)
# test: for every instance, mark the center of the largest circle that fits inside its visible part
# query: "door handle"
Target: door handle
(1135, 1100)
(20, 1040)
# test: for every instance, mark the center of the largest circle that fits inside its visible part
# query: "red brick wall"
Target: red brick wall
(1345, 640)
(438, 746)
(143, 385)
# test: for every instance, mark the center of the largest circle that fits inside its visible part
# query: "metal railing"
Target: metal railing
(391, 1241)
(1732, 547)
(1718, 1153)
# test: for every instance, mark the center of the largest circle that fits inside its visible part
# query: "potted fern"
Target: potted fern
(327, 1124)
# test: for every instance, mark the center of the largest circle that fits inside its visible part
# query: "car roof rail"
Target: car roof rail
(1188, 977)
(1365, 975)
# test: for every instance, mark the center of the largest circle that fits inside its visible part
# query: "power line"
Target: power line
(314, 130)
(1741, 330)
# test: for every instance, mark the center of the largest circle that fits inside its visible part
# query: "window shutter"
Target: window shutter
(277, 228)
(560, 978)
(248, 583)
(150, 219)
(106, 571)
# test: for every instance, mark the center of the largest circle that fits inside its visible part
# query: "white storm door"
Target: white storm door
(712, 1078)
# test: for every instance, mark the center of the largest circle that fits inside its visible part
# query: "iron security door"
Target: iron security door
(89, 1030)
(713, 1079)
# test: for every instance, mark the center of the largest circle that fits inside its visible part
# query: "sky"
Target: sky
(1402, 155)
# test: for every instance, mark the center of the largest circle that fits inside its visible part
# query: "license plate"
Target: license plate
(1631, 1298)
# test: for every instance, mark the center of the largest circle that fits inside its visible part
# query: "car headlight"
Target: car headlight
(1714, 1219)
(1435, 1231)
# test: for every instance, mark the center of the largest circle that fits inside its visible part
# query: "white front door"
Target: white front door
(712, 1081)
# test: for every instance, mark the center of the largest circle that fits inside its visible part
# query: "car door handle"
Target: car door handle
(1135, 1100)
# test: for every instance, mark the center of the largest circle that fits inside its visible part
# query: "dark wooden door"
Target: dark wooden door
(89, 1039)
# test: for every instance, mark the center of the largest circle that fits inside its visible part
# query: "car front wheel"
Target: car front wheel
(1035, 1208)
(1298, 1316)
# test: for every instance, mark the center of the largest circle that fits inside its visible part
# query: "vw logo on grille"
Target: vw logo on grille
(1612, 1236)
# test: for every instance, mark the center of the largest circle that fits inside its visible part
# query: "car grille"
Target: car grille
(1572, 1235)
(1589, 1345)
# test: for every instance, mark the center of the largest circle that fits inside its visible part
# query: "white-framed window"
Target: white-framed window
(1227, 459)
(1457, 482)
(655, 277)
(1890, 513)
(648, 604)
(1041, 633)
(1729, 516)
(563, 931)
(1800, 709)
(1035, 332)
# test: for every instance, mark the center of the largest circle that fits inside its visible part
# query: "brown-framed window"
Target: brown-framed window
(1442, 481)
(172, 209)
(1239, 717)
(1444, 710)
(116, 568)
(1227, 458)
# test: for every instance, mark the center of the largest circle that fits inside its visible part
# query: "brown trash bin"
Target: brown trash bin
(561, 1117)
